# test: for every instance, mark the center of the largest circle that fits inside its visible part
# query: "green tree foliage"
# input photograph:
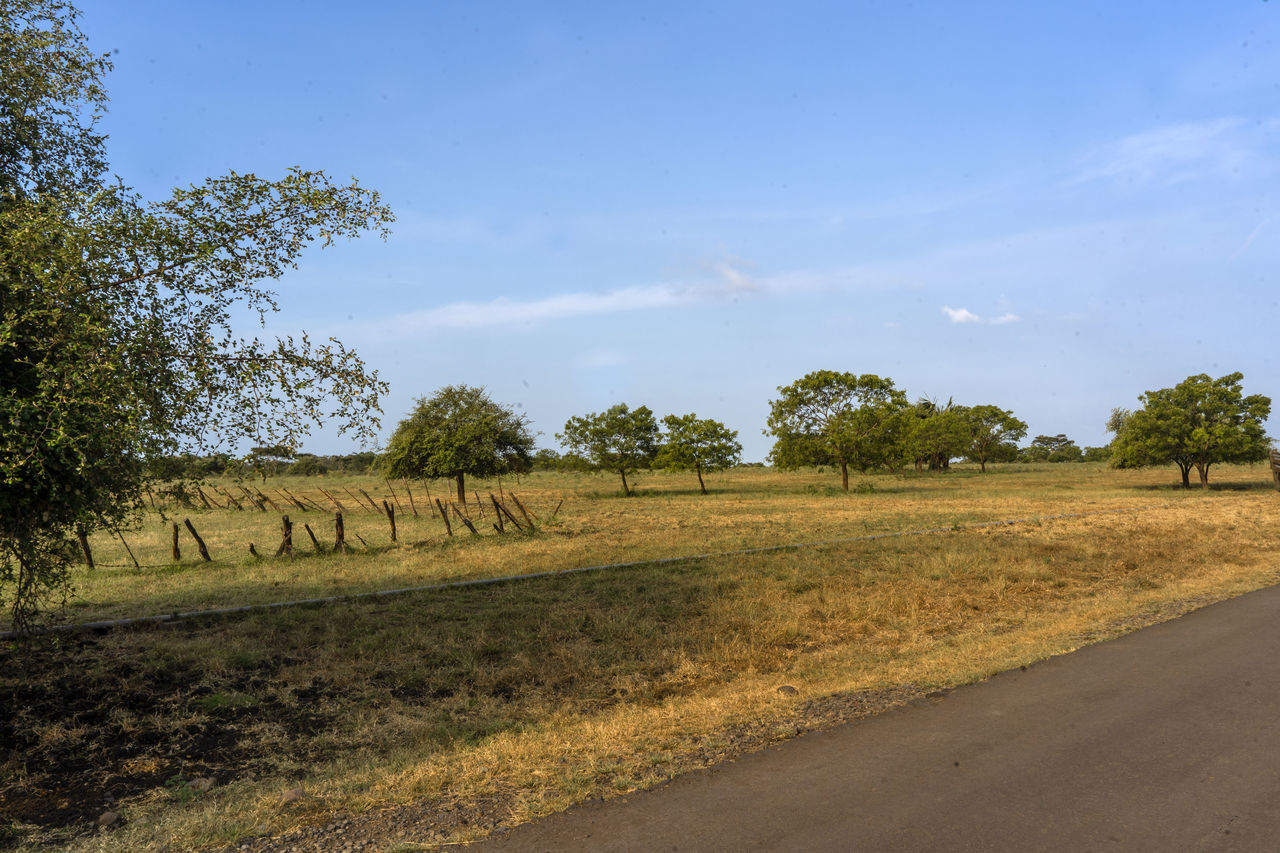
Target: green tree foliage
(827, 417)
(1051, 448)
(1197, 423)
(619, 439)
(994, 433)
(116, 337)
(459, 431)
(936, 434)
(697, 443)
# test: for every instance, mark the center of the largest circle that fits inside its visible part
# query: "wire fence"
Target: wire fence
(164, 618)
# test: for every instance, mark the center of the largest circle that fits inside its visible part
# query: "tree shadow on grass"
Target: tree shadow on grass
(276, 694)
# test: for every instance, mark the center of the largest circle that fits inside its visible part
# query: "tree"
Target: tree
(993, 431)
(700, 444)
(1051, 448)
(827, 417)
(1197, 423)
(456, 432)
(618, 439)
(936, 434)
(116, 337)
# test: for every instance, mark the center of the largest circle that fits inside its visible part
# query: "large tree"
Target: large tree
(116, 335)
(697, 443)
(993, 432)
(618, 439)
(1195, 424)
(937, 433)
(826, 417)
(458, 431)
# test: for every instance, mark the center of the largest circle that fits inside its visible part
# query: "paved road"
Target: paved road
(1165, 740)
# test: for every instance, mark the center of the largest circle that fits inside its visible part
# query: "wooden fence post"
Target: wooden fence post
(502, 510)
(177, 552)
(412, 506)
(83, 536)
(286, 537)
(391, 517)
(314, 541)
(340, 537)
(499, 526)
(204, 552)
(520, 507)
(465, 520)
(447, 526)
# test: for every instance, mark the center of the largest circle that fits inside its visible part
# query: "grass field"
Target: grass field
(473, 706)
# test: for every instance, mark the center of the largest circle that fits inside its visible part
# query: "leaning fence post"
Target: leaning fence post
(204, 552)
(447, 526)
(314, 540)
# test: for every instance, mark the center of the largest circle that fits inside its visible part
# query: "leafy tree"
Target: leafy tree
(993, 433)
(1197, 423)
(456, 432)
(618, 439)
(700, 444)
(116, 337)
(1097, 454)
(936, 434)
(545, 459)
(1051, 448)
(827, 417)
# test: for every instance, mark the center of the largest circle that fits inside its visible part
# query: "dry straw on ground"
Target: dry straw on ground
(502, 702)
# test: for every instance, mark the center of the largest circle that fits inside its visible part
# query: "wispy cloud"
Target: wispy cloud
(505, 311)
(964, 315)
(726, 282)
(1223, 147)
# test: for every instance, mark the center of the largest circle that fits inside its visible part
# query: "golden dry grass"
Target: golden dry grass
(542, 693)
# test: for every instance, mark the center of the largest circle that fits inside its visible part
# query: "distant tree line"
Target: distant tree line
(826, 418)
(277, 462)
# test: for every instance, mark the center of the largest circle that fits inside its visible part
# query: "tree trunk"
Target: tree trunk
(1186, 475)
(1203, 470)
(462, 488)
(700, 483)
(982, 465)
(626, 490)
(844, 474)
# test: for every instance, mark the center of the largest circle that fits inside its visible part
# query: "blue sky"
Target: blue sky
(1047, 207)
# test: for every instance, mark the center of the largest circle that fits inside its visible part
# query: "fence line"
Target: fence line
(165, 618)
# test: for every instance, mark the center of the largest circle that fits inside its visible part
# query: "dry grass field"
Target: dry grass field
(441, 714)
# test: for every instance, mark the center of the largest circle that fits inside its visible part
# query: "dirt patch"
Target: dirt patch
(82, 732)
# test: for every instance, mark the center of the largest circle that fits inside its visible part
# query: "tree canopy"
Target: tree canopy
(700, 444)
(1195, 424)
(458, 431)
(826, 417)
(618, 439)
(993, 433)
(116, 337)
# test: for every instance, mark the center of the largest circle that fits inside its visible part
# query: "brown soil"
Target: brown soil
(80, 733)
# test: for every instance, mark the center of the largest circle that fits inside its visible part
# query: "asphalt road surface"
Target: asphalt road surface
(1164, 740)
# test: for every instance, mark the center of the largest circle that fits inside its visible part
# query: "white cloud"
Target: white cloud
(961, 315)
(964, 315)
(1223, 147)
(504, 311)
